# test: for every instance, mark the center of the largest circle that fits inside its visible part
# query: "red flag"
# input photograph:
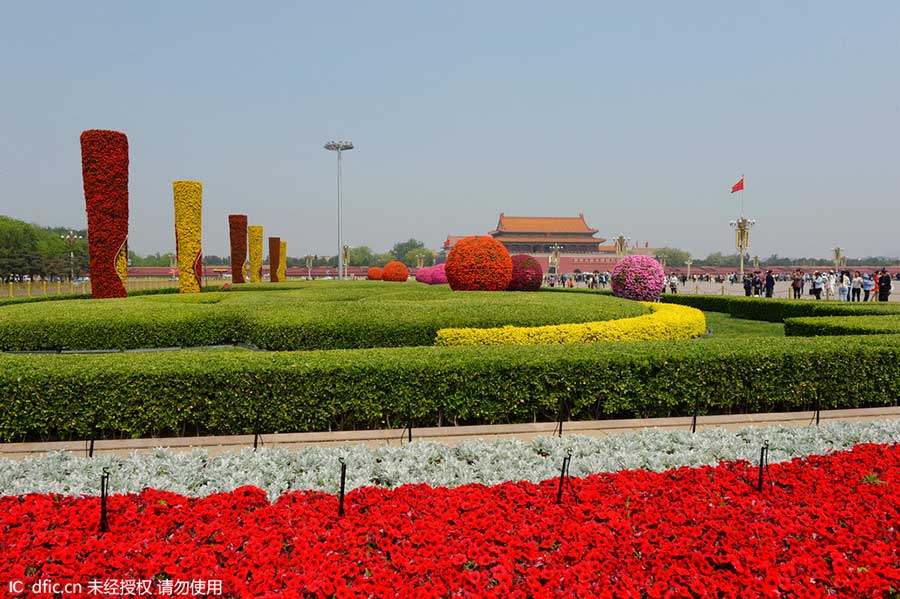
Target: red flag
(739, 186)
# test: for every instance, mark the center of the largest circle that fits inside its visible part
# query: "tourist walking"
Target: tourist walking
(818, 283)
(868, 284)
(770, 283)
(673, 283)
(797, 284)
(748, 285)
(856, 286)
(884, 286)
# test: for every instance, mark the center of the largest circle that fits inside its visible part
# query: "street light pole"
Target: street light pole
(339, 147)
(71, 238)
(741, 228)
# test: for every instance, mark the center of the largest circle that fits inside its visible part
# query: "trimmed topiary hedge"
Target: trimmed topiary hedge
(221, 392)
(842, 325)
(776, 310)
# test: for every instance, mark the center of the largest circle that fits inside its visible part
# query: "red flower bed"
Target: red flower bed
(237, 228)
(395, 271)
(104, 171)
(828, 526)
(374, 273)
(527, 274)
(479, 264)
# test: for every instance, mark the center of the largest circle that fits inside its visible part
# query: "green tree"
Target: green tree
(402, 248)
(410, 259)
(673, 256)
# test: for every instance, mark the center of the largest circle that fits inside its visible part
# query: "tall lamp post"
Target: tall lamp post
(554, 258)
(339, 147)
(689, 262)
(622, 245)
(838, 258)
(309, 262)
(71, 238)
(741, 228)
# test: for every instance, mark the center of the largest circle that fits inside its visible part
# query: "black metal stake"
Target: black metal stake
(104, 489)
(562, 478)
(256, 433)
(696, 411)
(818, 408)
(763, 462)
(563, 409)
(343, 481)
(91, 446)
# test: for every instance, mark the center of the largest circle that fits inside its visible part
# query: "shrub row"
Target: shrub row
(777, 310)
(67, 397)
(842, 325)
(663, 322)
(35, 299)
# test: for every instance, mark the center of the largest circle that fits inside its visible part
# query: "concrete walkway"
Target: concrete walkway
(449, 435)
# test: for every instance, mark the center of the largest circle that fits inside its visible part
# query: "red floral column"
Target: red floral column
(274, 258)
(237, 226)
(104, 170)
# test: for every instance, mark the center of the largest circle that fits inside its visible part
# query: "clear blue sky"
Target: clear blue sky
(639, 115)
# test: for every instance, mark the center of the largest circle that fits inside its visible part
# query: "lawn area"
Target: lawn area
(298, 316)
(724, 326)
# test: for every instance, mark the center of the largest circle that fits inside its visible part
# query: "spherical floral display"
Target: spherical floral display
(527, 274)
(423, 275)
(638, 278)
(395, 271)
(439, 274)
(374, 273)
(479, 264)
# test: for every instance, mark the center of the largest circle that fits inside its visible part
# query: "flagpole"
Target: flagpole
(743, 187)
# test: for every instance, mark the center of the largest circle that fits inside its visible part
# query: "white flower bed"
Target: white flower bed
(488, 462)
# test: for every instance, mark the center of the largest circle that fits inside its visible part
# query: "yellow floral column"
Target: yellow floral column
(255, 235)
(282, 264)
(188, 203)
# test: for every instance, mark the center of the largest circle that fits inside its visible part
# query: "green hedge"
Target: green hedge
(63, 396)
(842, 325)
(776, 310)
(11, 301)
(315, 316)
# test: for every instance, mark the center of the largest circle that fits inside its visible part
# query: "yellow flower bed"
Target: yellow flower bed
(665, 321)
(188, 202)
(255, 239)
(282, 263)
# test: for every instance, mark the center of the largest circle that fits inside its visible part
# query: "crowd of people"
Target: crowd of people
(845, 285)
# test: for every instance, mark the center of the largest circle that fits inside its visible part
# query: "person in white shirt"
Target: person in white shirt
(856, 286)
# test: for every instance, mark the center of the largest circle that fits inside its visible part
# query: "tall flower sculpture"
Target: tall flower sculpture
(479, 264)
(439, 274)
(104, 171)
(395, 271)
(274, 258)
(188, 204)
(255, 235)
(527, 274)
(374, 273)
(638, 278)
(237, 228)
(282, 262)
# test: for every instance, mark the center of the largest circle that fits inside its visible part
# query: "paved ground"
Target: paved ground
(449, 435)
(782, 290)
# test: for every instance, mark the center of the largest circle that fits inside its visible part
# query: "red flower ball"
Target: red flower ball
(374, 273)
(527, 274)
(479, 264)
(395, 271)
